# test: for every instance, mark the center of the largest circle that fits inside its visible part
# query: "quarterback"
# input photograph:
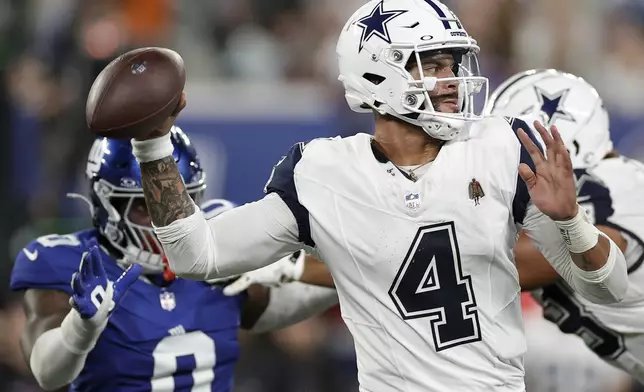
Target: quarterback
(168, 334)
(417, 223)
(609, 187)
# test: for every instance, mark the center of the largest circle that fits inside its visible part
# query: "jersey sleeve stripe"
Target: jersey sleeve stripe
(282, 182)
(521, 196)
(638, 263)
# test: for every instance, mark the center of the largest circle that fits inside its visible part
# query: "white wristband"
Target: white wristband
(152, 149)
(79, 336)
(578, 233)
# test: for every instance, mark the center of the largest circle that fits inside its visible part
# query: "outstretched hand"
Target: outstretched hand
(94, 296)
(552, 185)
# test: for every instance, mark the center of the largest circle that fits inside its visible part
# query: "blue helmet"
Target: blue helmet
(116, 188)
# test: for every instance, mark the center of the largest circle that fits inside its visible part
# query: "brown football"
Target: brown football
(135, 93)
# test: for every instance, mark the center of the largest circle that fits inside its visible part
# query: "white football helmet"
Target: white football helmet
(562, 99)
(376, 47)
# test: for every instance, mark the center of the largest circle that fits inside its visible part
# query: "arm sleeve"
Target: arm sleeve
(294, 302)
(244, 238)
(59, 355)
(606, 285)
(237, 241)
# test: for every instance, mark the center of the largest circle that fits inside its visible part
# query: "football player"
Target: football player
(168, 334)
(609, 187)
(417, 222)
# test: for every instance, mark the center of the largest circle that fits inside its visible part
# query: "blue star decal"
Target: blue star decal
(551, 106)
(376, 24)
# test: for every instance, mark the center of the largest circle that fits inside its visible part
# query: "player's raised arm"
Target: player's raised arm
(598, 267)
(243, 239)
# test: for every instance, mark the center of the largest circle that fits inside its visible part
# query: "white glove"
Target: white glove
(287, 269)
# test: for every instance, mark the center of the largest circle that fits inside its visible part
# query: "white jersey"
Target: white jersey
(612, 194)
(424, 270)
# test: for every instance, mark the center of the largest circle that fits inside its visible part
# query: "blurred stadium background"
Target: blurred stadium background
(262, 76)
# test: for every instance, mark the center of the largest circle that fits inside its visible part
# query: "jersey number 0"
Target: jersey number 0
(430, 283)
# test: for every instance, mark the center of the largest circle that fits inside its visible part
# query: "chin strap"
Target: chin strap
(168, 275)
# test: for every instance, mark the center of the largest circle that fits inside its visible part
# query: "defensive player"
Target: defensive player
(609, 187)
(417, 223)
(168, 334)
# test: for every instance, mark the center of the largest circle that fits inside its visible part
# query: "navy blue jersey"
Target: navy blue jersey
(182, 337)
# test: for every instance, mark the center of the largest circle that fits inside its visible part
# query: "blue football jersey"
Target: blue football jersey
(182, 337)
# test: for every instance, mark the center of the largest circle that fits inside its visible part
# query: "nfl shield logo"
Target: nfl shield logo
(167, 301)
(412, 200)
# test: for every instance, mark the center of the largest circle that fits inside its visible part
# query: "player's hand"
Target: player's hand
(285, 270)
(95, 297)
(167, 124)
(552, 187)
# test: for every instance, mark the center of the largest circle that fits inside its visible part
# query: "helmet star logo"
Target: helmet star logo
(551, 107)
(376, 24)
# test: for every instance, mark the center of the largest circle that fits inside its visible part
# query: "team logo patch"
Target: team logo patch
(475, 191)
(412, 200)
(167, 300)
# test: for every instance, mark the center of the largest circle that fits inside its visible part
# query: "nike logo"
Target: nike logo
(31, 255)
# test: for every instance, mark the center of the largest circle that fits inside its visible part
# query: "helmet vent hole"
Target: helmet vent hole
(373, 78)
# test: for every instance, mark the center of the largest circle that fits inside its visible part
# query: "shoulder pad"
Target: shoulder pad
(594, 196)
(48, 263)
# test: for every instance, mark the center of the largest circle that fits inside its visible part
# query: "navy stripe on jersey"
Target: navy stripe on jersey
(521, 196)
(638, 263)
(591, 190)
(283, 183)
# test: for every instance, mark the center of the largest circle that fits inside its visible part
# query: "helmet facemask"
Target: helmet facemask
(427, 90)
(136, 241)
(394, 90)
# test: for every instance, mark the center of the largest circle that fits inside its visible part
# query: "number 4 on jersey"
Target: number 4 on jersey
(430, 283)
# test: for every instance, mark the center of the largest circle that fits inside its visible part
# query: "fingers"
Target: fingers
(126, 280)
(94, 261)
(527, 175)
(563, 159)
(238, 286)
(77, 287)
(83, 269)
(556, 136)
(545, 135)
(533, 150)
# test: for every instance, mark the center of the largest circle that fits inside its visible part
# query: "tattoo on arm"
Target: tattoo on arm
(165, 192)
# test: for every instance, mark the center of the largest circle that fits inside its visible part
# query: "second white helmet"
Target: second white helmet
(562, 99)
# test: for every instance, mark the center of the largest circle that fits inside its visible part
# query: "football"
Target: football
(135, 93)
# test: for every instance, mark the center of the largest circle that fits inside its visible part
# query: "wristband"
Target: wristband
(578, 233)
(152, 149)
